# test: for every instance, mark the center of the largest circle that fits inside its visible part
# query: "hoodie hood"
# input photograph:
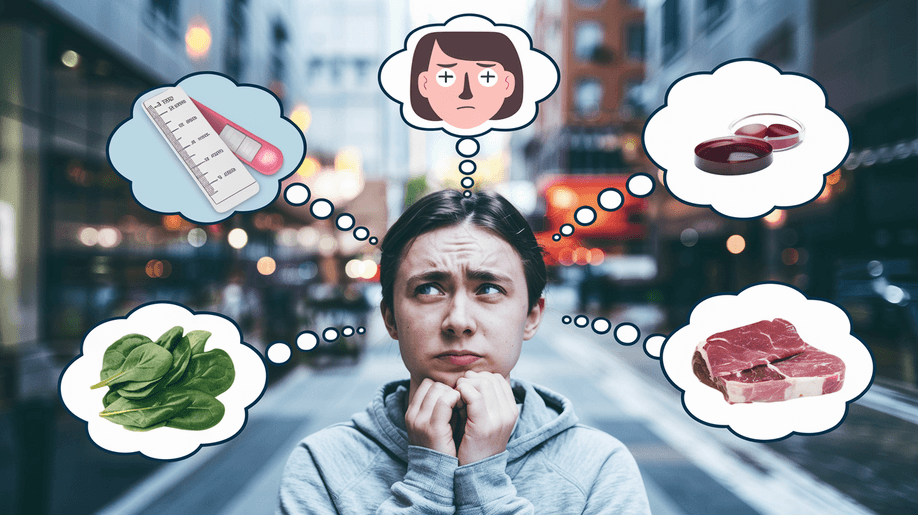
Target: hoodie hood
(543, 415)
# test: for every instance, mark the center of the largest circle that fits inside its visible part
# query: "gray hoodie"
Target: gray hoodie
(552, 465)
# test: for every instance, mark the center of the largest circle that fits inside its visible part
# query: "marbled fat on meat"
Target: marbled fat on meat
(807, 373)
(733, 351)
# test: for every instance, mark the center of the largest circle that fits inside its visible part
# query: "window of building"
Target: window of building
(672, 35)
(235, 41)
(588, 97)
(635, 43)
(278, 68)
(713, 14)
(589, 4)
(162, 18)
(588, 37)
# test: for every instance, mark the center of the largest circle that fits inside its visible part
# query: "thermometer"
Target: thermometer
(219, 174)
(254, 151)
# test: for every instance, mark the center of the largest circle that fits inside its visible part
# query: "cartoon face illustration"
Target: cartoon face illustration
(466, 78)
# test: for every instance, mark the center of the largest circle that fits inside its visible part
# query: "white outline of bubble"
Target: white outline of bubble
(321, 202)
(470, 163)
(585, 323)
(374, 240)
(626, 326)
(585, 209)
(364, 230)
(569, 319)
(636, 177)
(659, 348)
(344, 331)
(466, 141)
(336, 332)
(561, 230)
(620, 196)
(297, 187)
(467, 182)
(271, 351)
(361, 330)
(602, 320)
(311, 335)
(345, 215)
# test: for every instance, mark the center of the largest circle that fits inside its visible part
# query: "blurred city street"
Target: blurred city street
(688, 468)
(99, 219)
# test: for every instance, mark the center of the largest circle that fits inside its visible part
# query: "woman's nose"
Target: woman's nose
(466, 90)
(459, 319)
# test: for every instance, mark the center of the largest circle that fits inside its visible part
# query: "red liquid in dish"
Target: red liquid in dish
(733, 155)
(780, 136)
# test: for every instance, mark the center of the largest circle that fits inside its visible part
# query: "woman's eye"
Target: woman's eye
(489, 289)
(487, 77)
(426, 289)
(446, 77)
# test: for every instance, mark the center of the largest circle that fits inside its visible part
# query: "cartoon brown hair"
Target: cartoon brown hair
(467, 46)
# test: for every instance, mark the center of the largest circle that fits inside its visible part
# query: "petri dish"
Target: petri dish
(780, 131)
(733, 155)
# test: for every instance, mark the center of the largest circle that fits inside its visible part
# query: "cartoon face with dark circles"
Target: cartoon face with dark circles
(467, 80)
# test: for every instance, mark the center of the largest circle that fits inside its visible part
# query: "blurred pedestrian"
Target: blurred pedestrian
(462, 281)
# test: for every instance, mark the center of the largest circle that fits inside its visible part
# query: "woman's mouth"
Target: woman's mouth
(460, 359)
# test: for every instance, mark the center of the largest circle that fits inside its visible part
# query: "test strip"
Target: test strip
(252, 150)
(219, 174)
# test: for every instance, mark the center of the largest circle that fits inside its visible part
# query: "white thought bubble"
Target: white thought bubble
(540, 77)
(819, 323)
(164, 443)
(702, 106)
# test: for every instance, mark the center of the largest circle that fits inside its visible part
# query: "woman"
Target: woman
(462, 281)
(466, 78)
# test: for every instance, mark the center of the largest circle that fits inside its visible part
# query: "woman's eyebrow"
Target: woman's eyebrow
(447, 65)
(485, 65)
(487, 276)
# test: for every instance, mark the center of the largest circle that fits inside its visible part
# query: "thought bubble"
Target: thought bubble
(161, 183)
(820, 324)
(298, 194)
(704, 106)
(467, 99)
(625, 333)
(164, 443)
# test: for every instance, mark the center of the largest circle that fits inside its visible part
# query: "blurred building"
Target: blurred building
(585, 127)
(856, 244)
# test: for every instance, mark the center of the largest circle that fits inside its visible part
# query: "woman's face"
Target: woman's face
(460, 303)
(464, 94)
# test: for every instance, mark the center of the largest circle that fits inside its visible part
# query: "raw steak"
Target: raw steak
(807, 372)
(733, 351)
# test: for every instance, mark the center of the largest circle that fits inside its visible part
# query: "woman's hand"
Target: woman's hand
(491, 414)
(428, 417)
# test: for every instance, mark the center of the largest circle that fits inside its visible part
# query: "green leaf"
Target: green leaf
(211, 372)
(147, 362)
(117, 352)
(148, 412)
(110, 397)
(204, 412)
(170, 338)
(142, 389)
(197, 339)
(142, 429)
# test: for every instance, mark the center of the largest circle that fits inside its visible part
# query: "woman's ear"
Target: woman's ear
(533, 319)
(422, 84)
(389, 319)
(509, 84)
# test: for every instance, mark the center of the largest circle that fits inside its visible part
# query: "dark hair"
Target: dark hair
(468, 46)
(448, 208)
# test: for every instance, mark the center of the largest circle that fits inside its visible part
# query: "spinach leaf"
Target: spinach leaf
(170, 338)
(147, 412)
(147, 362)
(197, 339)
(211, 372)
(204, 412)
(142, 429)
(117, 352)
(110, 397)
(142, 389)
